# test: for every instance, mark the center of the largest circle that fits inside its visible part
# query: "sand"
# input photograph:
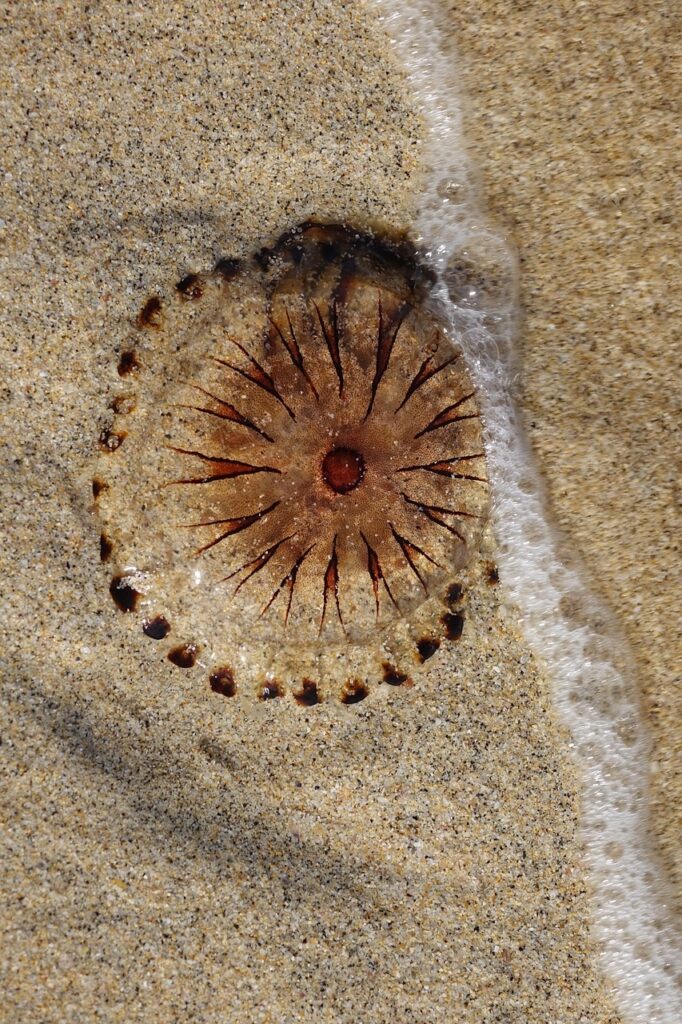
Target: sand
(413, 858)
(580, 169)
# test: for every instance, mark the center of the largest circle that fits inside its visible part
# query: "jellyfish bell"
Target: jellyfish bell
(301, 475)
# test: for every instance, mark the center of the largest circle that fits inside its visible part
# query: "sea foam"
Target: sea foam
(594, 687)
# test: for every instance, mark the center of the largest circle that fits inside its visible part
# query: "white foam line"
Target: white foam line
(594, 686)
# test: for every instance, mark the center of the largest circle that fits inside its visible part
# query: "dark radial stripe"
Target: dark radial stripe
(292, 347)
(331, 338)
(289, 582)
(232, 526)
(226, 412)
(257, 375)
(448, 415)
(256, 564)
(410, 551)
(446, 467)
(438, 508)
(376, 574)
(425, 372)
(436, 514)
(386, 336)
(227, 471)
(331, 586)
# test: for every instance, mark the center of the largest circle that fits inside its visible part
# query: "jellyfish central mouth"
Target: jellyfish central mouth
(343, 469)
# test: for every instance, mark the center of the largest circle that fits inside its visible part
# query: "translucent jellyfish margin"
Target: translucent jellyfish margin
(594, 686)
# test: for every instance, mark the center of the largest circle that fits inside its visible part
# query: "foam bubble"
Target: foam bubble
(594, 685)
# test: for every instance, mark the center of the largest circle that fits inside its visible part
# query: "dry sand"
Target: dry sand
(414, 858)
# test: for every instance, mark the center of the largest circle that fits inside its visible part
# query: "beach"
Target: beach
(169, 854)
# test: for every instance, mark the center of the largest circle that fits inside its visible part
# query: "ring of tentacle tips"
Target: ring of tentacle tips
(291, 478)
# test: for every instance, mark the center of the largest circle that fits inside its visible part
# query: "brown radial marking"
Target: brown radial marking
(258, 562)
(376, 575)
(331, 338)
(222, 681)
(445, 468)
(331, 586)
(128, 363)
(436, 512)
(184, 655)
(353, 692)
(105, 547)
(232, 469)
(427, 647)
(289, 582)
(232, 526)
(150, 314)
(455, 594)
(386, 337)
(438, 508)
(435, 518)
(425, 372)
(308, 696)
(257, 376)
(157, 628)
(230, 412)
(349, 270)
(291, 345)
(410, 551)
(448, 415)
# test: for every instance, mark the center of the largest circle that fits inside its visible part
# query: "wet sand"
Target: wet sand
(166, 857)
(572, 119)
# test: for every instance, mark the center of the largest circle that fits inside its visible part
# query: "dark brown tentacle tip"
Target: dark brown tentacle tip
(353, 693)
(264, 257)
(111, 440)
(150, 314)
(296, 254)
(157, 628)
(223, 682)
(184, 656)
(105, 547)
(308, 696)
(454, 594)
(190, 287)
(393, 677)
(126, 598)
(329, 251)
(227, 268)
(98, 486)
(427, 647)
(270, 690)
(128, 363)
(454, 624)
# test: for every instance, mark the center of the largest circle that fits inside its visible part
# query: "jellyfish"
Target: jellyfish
(292, 476)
